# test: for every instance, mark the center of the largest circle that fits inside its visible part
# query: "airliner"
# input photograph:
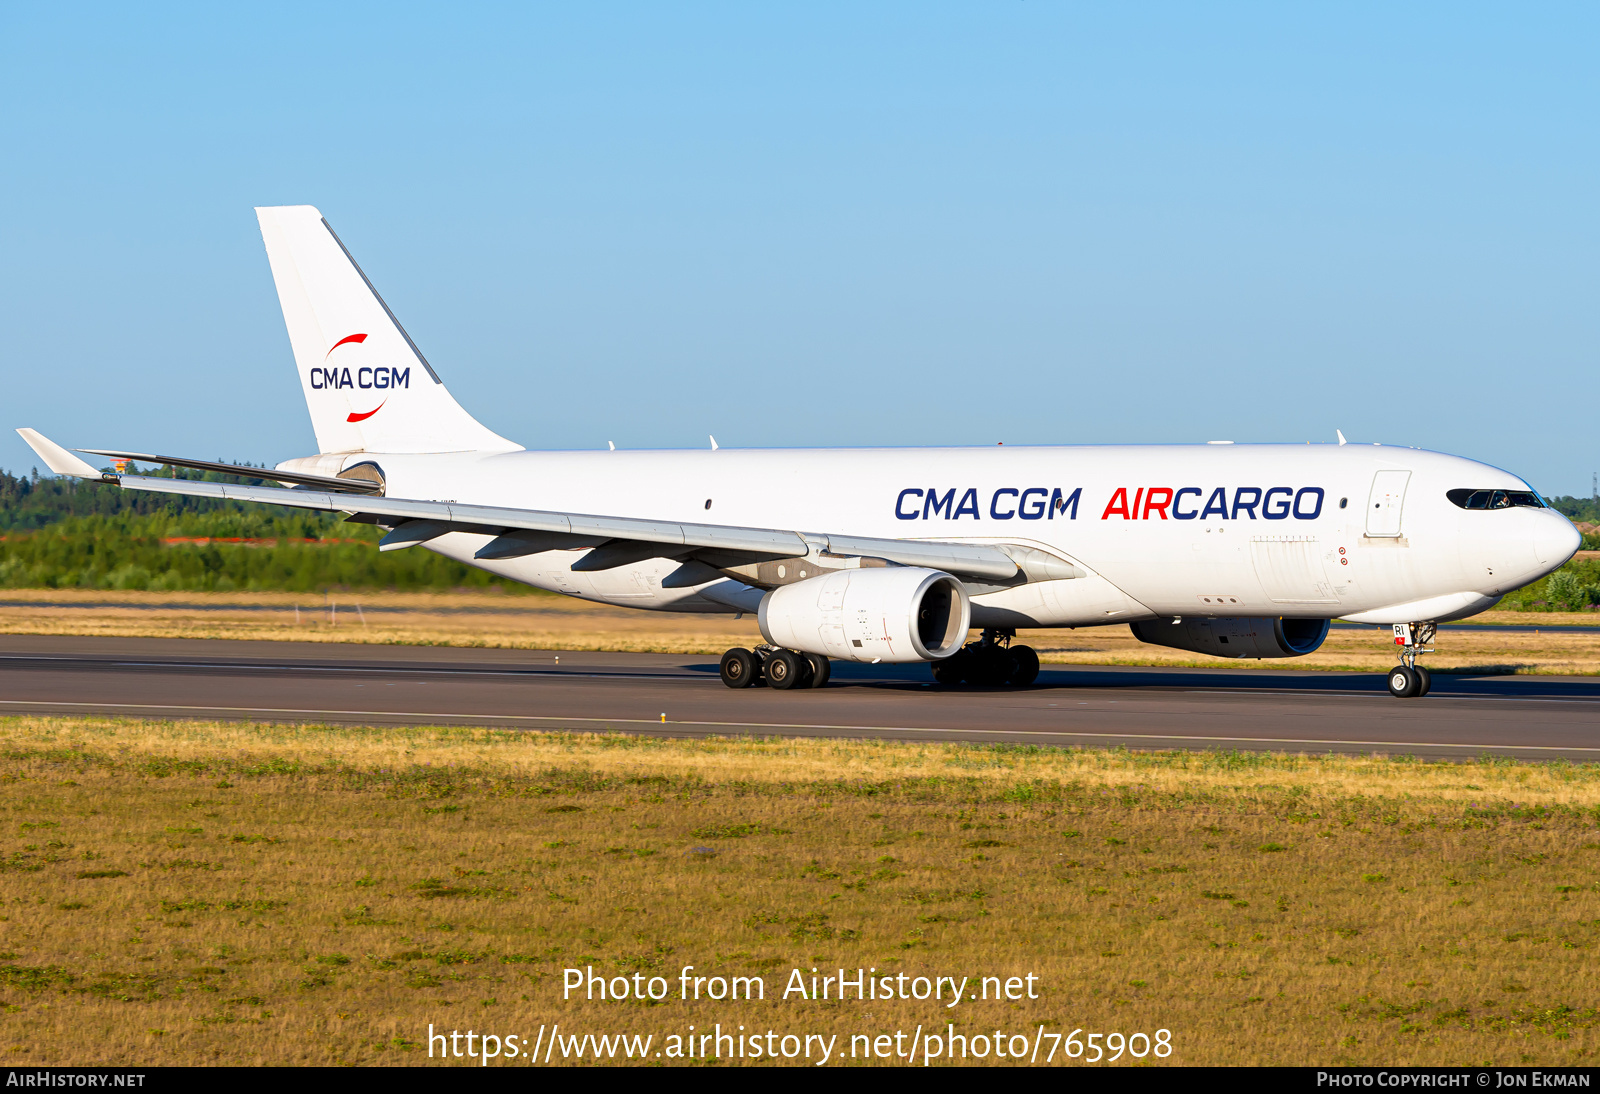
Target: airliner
(885, 555)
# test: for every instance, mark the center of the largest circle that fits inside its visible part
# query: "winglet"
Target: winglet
(55, 457)
(1340, 434)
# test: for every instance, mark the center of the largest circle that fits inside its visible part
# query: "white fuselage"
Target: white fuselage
(1193, 530)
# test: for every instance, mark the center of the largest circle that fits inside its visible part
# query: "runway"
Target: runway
(1531, 717)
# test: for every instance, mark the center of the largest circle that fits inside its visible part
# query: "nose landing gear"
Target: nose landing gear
(1409, 680)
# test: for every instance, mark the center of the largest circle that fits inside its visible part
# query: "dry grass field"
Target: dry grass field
(535, 621)
(193, 893)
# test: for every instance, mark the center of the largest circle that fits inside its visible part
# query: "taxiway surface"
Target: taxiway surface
(1532, 717)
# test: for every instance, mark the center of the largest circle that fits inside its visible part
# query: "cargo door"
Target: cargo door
(1384, 506)
(1291, 569)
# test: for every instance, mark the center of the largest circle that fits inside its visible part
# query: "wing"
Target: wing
(327, 482)
(616, 541)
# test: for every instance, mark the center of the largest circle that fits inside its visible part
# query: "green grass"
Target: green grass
(1265, 908)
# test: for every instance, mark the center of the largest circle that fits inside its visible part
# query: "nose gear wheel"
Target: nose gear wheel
(1408, 680)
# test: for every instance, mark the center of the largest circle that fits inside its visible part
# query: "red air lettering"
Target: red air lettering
(1150, 502)
(1117, 504)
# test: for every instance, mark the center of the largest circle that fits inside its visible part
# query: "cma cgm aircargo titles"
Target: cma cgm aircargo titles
(1230, 550)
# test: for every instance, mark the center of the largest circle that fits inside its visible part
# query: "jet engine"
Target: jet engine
(1242, 637)
(896, 613)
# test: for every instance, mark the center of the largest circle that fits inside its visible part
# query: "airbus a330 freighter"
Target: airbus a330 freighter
(1231, 550)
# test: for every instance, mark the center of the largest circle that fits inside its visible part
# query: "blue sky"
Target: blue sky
(821, 224)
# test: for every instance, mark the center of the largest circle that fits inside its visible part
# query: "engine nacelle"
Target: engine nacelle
(898, 613)
(1258, 637)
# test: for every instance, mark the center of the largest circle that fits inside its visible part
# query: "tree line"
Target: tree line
(65, 533)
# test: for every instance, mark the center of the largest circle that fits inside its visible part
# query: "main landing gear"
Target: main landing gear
(991, 662)
(774, 667)
(1409, 680)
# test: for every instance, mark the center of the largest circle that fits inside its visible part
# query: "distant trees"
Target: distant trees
(76, 534)
(1566, 590)
(33, 502)
(1577, 509)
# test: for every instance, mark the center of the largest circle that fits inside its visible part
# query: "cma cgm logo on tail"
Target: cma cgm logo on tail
(381, 378)
(1273, 503)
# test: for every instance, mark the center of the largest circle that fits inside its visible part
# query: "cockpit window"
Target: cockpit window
(1495, 499)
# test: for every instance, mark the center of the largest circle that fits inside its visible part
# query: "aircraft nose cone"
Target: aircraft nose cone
(1555, 539)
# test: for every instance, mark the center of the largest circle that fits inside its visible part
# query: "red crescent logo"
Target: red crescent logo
(368, 414)
(342, 341)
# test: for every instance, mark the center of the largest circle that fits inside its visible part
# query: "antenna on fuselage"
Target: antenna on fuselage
(1340, 434)
(713, 442)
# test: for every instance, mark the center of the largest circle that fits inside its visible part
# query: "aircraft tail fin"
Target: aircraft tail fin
(367, 386)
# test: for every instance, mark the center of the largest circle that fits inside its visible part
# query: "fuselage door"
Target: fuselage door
(1383, 507)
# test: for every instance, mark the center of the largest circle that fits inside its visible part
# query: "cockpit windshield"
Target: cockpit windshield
(1495, 499)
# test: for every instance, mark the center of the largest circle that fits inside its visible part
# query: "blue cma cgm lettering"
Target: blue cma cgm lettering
(1006, 503)
(380, 377)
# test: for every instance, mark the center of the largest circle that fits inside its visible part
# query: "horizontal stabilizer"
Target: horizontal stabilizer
(55, 457)
(351, 486)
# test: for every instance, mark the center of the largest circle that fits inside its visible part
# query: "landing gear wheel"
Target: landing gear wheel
(786, 670)
(1425, 680)
(1403, 682)
(821, 669)
(992, 666)
(740, 668)
(951, 671)
(1027, 670)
